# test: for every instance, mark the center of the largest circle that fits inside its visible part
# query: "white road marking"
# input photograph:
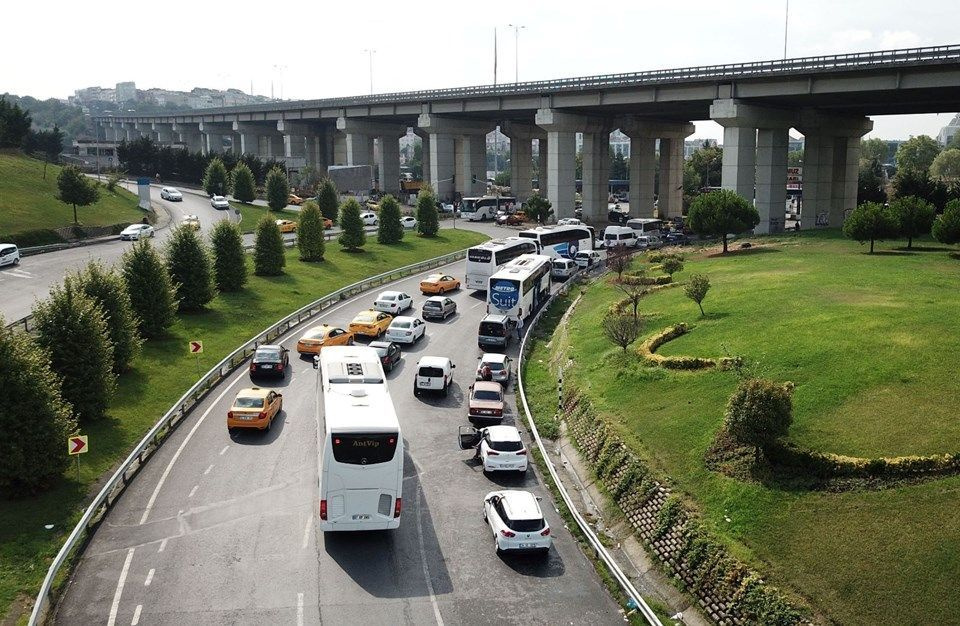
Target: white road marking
(149, 579)
(166, 472)
(163, 544)
(136, 615)
(207, 471)
(225, 448)
(306, 532)
(423, 556)
(116, 596)
(479, 304)
(300, 609)
(193, 491)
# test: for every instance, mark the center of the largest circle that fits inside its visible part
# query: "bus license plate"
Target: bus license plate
(361, 516)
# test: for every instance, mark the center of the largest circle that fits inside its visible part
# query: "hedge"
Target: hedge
(649, 347)
(827, 465)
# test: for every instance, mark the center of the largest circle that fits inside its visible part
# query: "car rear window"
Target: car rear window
(506, 446)
(267, 356)
(496, 367)
(381, 351)
(430, 372)
(401, 325)
(316, 334)
(364, 449)
(389, 298)
(431, 304)
(248, 403)
(492, 329)
(486, 394)
(526, 525)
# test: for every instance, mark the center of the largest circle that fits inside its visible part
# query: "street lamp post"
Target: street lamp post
(516, 50)
(370, 53)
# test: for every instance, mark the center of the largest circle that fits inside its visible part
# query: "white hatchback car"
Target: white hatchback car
(587, 258)
(369, 218)
(434, 373)
(135, 232)
(219, 202)
(393, 302)
(9, 254)
(171, 193)
(502, 449)
(406, 329)
(408, 221)
(517, 522)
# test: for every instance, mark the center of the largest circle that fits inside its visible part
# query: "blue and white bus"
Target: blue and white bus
(484, 260)
(518, 289)
(561, 242)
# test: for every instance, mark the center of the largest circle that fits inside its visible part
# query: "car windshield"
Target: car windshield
(243, 402)
(486, 394)
(401, 324)
(506, 446)
(430, 372)
(610, 236)
(267, 356)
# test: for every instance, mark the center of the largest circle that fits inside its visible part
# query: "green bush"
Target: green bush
(352, 237)
(538, 209)
(278, 189)
(188, 262)
(71, 328)
(244, 185)
(215, 180)
(946, 228)
(328, 198)
(35, 420)
(151, 291)
(758, 413)
(229, 260)
(912, 217)
(696, 289)
(428, 220)
(389, 229)
(107, 288)
(310, 236)
(268, 256)
(671, 265)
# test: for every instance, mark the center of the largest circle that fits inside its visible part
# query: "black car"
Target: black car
(618, 217)
(270, 360)
(389, 353)
(676, 239)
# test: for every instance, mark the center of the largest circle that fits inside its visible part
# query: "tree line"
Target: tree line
(143, 157)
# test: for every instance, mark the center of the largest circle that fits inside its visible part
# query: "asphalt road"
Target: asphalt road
(221, 529)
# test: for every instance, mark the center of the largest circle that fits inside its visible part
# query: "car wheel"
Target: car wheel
(16, 261)
(440, 291)
(350, 341)
(153, 234)
(416, 391)
(446, 390)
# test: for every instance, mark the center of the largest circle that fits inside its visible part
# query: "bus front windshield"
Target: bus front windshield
(468, 206)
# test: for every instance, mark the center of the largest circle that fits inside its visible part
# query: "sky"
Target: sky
(306, 50)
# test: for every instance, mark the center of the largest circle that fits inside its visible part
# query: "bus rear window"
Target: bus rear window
(364, 449)
(479, 256)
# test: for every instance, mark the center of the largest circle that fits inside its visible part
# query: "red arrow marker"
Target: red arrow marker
(195, 346)
(77, 445)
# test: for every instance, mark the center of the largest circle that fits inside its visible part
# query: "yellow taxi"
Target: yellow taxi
(439, 283)
(327, 223)
(325, 335)
(287, 226)
(372, 205)
(192, 221)
(370, 323)
(294, 199)
(254, 408)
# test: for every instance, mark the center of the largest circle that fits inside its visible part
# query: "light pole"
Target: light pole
(370, 52)
(516, 50)
(786, 24)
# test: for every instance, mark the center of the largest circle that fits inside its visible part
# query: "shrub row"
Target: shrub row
(827, 465)
(637, 278)
(626, 305)
(729, 589)
(649, 347)
(658, 257)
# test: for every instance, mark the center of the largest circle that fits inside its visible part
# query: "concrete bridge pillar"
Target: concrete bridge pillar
(472, 164)
(772, 147)
(304, 143)
(258, 139)
(643, 175)
(644, 134)
(360, 136)
(521, 156)
(212, 134)
(561, 168)
(163, 133)
(189, 135)
(339, 148)
(596, 175)
(111, 131)
(457, 153)
(670, 196)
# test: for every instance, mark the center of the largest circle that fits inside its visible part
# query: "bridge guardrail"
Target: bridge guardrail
(175, 415)
(601, 552)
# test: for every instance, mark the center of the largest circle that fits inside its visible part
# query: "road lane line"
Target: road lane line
(163, 544)
(116, 596)
(176, 455)
(193, 491)
(136, 615)
(225, 448)
(306, 532)
(423, 555)
(207, 471)
(149, 579)
(300, 609)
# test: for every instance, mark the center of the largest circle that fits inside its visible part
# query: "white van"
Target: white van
(619, 236)
(434, 373)
(649, 242)
(9, 254)
(562, 269)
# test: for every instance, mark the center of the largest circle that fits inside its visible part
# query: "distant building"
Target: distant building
(126, 91)
(948, 131)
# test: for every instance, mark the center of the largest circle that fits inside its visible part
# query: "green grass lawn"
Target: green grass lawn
(251, 214)
(164, 372)
(29, 203)
(871, 343)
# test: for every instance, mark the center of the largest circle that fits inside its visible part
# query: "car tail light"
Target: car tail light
(545, 532)
(396, 507)
(493, 453)
(262, 414)
(508, 533)
(522, 452)
(253, 366)
(323, 510)
(230, 415)
(498, 412)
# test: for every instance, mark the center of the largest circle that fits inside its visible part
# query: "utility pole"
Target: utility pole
(786, 24)
(370, 53)
(494, 56)
(516, 50)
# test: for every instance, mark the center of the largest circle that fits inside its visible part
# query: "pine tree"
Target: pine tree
(229, 260)
(268, 257)
(244, 186)
(215, 181)
(71, 328)
(151, 291)
(389, 229)
(428, 222)
(278, 189)
(329, 199)
(35, 420)
(352, 238)
(310, 240)
(107, 288)
(73, 187)
(188, 262)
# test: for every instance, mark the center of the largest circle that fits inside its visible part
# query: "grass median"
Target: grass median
(163, 372)
(251, 214)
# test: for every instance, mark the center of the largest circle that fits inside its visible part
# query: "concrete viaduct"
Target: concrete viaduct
(828, 99)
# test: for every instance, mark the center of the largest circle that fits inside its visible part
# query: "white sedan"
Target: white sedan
(171, 193)
(408, 221)
(369, 218)
(516, 521)
(219, 202)
(569, 221)
(392, 302)
(135, 232)
(406, 329)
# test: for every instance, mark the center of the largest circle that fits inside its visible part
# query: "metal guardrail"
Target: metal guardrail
(622, 579)
(174, 416)
(818, 64)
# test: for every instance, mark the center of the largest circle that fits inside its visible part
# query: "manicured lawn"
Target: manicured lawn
(871, 343)
(29, 203)
(164, 372)
(251, 214)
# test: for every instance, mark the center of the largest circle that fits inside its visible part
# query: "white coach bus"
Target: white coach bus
(523, 285)
(484, 260)
(561, 242)
(361, 458)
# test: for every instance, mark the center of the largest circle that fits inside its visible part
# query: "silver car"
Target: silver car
(499, 364)
(219, 202)
(439, 307)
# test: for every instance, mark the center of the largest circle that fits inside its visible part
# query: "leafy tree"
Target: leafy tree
(870, 222)
(620, 329)
(14, 124)
(946, 228)
(35, 419)
(953, 142)
(71, 328)
(229, 260)
(307, 179)
(188, 262)
(49, 143)
(107, 288)
(538, 208)
(152, 294)
(428, 220)
(352, 236)
(917, 154)
(719, 213)
(278, 189)
(76, 189)
(268, 256)
(920, 185)
(871, 183)
(758, 413)
(310, 238)
(502, 179)
(795, 158)
(244, 186)
(619, 166)
(671, 265)
(946, 166)
(706, 163)
(416, 162)
(696, 289)
(215, 181)
(389, 230)
(329, 199)
(912, 217)
(874, 149)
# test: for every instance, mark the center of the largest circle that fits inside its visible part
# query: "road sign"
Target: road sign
(77, 444)
(196, 347)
